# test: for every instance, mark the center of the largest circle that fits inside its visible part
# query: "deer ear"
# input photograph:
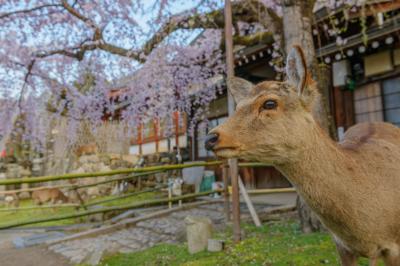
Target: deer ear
(296, 69)
(240, 88)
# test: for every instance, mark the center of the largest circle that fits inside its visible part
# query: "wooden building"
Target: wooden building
(365, 64)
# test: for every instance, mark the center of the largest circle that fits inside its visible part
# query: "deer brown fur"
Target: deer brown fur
(52, 195)
(353, 186)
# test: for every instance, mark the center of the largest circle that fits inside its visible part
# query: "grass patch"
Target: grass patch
(120, 202)
(278, 243)
(27, 215)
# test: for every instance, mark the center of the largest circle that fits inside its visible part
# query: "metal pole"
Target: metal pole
(233, 166)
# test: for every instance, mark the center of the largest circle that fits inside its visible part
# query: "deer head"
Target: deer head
(272, 119)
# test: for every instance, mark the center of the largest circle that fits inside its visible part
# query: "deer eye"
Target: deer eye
(270, 105)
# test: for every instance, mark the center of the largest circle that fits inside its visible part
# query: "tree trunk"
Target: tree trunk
(297, 30)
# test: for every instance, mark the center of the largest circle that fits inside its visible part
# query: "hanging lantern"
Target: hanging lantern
(380, 18)
(327, 60)
(375, 44)
(350, 53)
(389, 40)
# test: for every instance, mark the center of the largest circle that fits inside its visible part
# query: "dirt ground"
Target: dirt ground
(32, 256)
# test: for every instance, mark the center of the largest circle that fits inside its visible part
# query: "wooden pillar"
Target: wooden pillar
(140, 138)
(233, 165)
(156, 132)
(349, 108)
(176, 121)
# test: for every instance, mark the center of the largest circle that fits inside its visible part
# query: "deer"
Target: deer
(52, 195)
(12, 200)
(87, 149)
(352, 186)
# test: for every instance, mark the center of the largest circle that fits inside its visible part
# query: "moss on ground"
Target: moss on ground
(26, 215)
(278, 243)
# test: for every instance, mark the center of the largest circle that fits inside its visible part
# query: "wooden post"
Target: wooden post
(81, 201)
(235, 200)
(225, 171)
(169, 194)
(233, 166)
(249, 204)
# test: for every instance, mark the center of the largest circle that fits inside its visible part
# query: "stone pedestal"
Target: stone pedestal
(198, 230)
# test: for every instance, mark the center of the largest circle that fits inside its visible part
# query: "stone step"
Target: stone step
(36, 239)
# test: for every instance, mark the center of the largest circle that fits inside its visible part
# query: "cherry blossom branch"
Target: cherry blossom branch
(249, 11)
(78, 15)
(26, 11)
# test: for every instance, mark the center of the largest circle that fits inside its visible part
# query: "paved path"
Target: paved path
(32, 256)
(145, 234)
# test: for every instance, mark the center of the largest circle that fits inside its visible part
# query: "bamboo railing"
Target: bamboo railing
(123, 196)
(161, 168)
(72, 186)
(131, 173)
(107, 209)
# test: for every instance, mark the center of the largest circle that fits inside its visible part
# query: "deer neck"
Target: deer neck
(322, 174)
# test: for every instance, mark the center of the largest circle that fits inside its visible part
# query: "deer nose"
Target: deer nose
(210, 141)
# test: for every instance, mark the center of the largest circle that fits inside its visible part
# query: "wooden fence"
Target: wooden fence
(131, 174)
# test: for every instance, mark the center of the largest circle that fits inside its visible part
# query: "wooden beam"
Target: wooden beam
(249, 204)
